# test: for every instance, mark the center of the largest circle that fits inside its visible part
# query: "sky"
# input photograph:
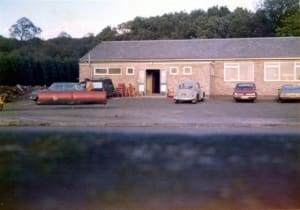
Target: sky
(81, 17)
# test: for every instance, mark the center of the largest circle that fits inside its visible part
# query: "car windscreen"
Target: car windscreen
(69, 87)
(98, 85)
(186, 86)
(245, 87)
(291, 88)
(56, 87)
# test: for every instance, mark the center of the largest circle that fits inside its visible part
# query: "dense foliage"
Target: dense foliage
(39, 62)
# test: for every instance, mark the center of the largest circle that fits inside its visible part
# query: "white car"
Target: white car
(189, 90)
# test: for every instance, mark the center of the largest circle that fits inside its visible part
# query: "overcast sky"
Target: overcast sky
(80, 17)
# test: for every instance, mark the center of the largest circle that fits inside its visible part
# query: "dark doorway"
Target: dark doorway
(152, 82)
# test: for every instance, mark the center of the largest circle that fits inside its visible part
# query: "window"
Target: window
(107, 71)
(297, 71)
(239, 71)
(272, 71)
(101, 71)
(231, 71)
(114, 71)
(130, 71)
(187, 70)
(173, 71)
(284, 71)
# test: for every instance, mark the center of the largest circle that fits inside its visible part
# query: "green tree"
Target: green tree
(107, 34)
(289, 25)
(240, 24)
(276, 10)
(24, 29)
(262, 26)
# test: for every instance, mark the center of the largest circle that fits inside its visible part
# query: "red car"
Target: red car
(245, 91)
(70, 93)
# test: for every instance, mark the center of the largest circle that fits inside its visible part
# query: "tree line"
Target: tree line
(28, 60)
(39, 62)
(272, 18)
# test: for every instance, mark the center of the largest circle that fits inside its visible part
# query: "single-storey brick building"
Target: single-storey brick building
(154, 67)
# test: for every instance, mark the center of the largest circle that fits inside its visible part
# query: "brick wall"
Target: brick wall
(200, 72)
(264, 88)
(210, 75)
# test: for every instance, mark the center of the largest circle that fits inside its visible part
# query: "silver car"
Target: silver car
(189, 90)
(289, 93)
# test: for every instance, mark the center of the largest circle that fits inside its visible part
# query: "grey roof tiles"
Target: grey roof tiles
(204, 49)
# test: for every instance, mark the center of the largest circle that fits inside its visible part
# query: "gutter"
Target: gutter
(174, 60)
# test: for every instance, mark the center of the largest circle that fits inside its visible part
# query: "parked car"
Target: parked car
(57, 86)
(289, 93)
(189, 90)
(70, 93)
(34, 94)
(103, 84)
(245, 91)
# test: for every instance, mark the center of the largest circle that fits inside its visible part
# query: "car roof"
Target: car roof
(188, 81)
(291, 86)
(100, 79)
(65, 83)
(240, 84)
(246, 83)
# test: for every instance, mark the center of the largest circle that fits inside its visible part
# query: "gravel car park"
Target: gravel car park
(154, 112)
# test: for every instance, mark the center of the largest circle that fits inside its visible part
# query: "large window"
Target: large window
(107, 71)
(282, 71)
(297, 71)
(272, 71)
(238, 72)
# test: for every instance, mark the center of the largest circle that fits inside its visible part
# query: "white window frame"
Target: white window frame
(114, 74)
(238, 65)
(95, 69)
(171, 68)
(272, 64)
(187, 67)
(107, 71)
(231, 65)
(278, 64)
(296, 65)
(133, 71)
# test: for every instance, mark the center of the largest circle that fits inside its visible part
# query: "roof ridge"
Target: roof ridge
(202, 39)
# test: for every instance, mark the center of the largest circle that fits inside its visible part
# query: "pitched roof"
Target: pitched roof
(204, 49)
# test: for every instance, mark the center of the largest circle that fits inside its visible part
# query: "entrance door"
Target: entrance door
(152, 81)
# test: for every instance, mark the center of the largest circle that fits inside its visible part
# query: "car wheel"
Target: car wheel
(279, 100)
(202, 99)
(194, 101)
(176, 101)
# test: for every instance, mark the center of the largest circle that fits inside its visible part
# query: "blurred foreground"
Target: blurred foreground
(148, 169)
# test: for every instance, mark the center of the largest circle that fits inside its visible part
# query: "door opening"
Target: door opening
(152, 82)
